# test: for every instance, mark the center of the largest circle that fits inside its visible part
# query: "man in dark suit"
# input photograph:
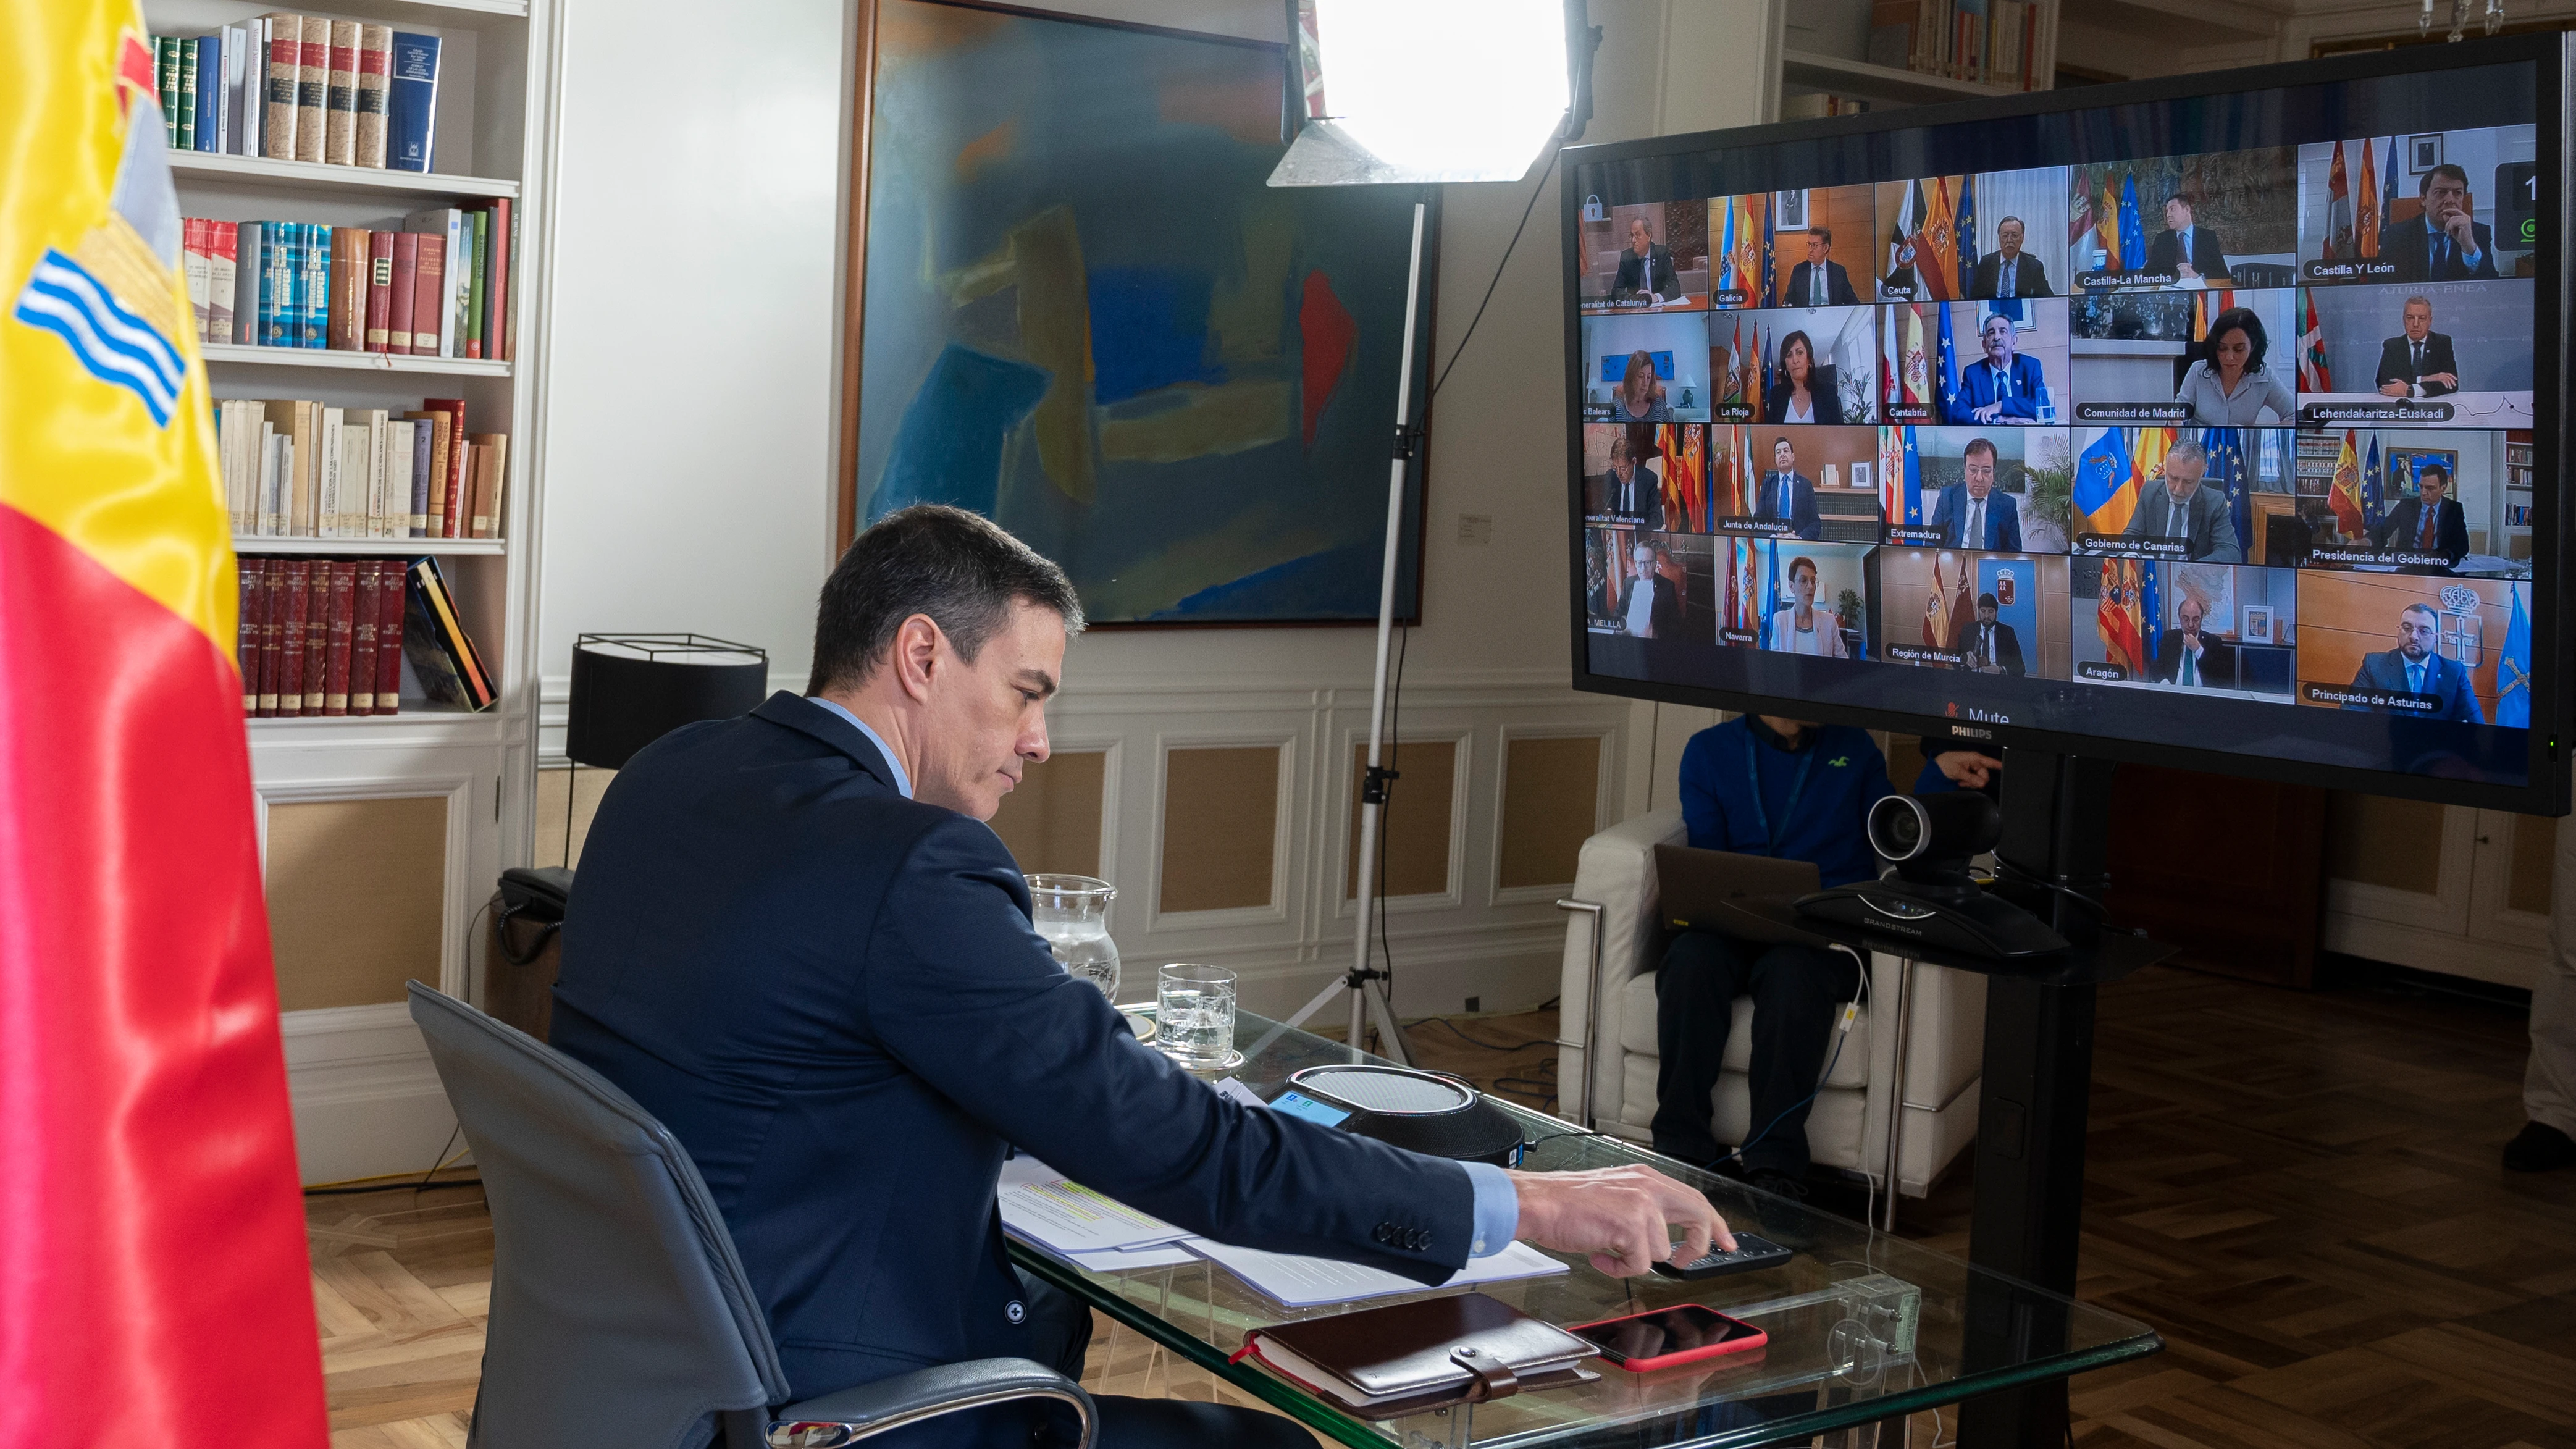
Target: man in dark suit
(1973, 513)
(2416, 666)
(2190, 658)
(1819, 281)
(2429, 522)
(2003, 387)
(1630, 489)
(1992, 646)
(1787, 493)
(794, 941)
(2185, 249)
(1644, 267)
(2008, 271)
(2418, 364)
(2446, 244)
(2182, 509)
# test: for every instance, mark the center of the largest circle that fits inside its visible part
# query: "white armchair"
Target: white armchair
(1932, 1029)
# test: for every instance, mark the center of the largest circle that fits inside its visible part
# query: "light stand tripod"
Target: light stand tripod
(1363, 981)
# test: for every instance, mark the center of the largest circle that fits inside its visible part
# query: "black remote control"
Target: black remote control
(1751, 1252)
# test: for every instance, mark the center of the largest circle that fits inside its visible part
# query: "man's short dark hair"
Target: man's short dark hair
(1976, 446)
(959, 569)
(2425, 186)
(2434, 470)
(1823, 234)
(2185, 200)
(1987, 601)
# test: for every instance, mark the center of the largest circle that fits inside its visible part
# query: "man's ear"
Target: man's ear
(915, 656)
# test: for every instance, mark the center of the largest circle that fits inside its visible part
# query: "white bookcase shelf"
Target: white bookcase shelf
(1812, 71)
(228, 354)
(211, 169)
(383, 547)
(366, 1102)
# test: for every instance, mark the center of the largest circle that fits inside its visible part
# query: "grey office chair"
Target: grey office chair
(620, 1312)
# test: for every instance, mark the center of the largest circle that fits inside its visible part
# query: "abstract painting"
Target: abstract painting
(1084, 316)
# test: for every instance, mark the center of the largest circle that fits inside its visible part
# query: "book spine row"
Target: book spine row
(321, 637)
(302, 88)
(327, 638)
(434, 287)
(1989, 42)
(294, 468)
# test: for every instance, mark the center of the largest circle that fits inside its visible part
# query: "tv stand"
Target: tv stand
(2036, 1090)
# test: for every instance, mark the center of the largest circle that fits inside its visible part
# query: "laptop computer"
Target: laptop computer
(1709, 890)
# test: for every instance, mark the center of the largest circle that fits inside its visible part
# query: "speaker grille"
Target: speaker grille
(1382, 1089)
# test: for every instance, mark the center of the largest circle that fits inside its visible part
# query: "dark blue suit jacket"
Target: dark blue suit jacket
(1804, 520)
(2444, 680)
(1978, 387)
(832, 996)
(2003, 520)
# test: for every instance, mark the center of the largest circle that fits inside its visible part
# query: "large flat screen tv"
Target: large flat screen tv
(2211, 422)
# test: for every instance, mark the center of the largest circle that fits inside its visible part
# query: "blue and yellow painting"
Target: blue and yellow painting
(1088, 318)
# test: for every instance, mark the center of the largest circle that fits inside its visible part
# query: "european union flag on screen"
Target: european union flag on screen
(2374, 500)
(2100, 473)
(1948, 382)
(2513, 672)
(1770, 611)
(2133, 237)
(2228, 468)
(1913, 479)
(1967, 234)
(2151, 612)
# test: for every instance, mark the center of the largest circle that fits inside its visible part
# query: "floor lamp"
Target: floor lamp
(1498, 88)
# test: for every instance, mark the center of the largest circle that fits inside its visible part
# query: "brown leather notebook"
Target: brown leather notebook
(1382, 1363)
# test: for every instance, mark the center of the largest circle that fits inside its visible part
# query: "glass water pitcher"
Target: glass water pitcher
(1072, 913)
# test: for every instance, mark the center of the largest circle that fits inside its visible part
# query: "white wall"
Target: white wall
(690, 456)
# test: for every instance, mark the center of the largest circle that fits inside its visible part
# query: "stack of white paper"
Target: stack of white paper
(1042, 1207)
(1300, 1282)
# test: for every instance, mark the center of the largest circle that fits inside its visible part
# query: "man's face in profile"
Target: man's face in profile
(1999, 340)
(2417, 632)
(2009, 234)
(986, 717)
(2419, 320)
(1818, 249)
(1638, 241)
(1980, 468)
(2178, 214)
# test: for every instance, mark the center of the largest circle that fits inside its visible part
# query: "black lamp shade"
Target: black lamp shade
(629, 690)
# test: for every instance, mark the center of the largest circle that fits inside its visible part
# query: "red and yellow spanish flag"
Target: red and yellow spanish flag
(152, 1263)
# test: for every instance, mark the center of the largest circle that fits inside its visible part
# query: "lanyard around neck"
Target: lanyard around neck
(1797, 787)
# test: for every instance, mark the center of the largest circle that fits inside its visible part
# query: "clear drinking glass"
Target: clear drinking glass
(1194, 1015)
(1072, 913)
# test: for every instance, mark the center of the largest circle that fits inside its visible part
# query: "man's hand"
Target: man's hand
(1622, 1217)
(2463, 229)
(1966, 768)
(1988, 413)
(2185, 269)
(2394, 388)
(2446, 379)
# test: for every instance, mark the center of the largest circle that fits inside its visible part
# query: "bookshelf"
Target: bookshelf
(366, 1101)
(1839, 49)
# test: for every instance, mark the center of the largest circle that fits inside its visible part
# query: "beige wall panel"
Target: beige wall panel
(1220, 827)
(1416, 820)
(2394, 844)
(1551, 805)
(582, 788)
(1052, 822)
(354, 889)
(2535, 854)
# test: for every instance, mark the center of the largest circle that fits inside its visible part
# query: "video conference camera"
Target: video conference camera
(1930, 897)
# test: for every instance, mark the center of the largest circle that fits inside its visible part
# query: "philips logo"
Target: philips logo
(1965, 733)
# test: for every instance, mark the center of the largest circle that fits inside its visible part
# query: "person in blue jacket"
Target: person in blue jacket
(1792, 790)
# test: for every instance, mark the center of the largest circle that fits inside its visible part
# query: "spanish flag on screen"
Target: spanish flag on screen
(152, 1270)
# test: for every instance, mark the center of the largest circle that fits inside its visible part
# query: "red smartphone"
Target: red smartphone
(1662, 1338)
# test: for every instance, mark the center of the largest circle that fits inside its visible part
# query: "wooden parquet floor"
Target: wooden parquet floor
(2300, 1191)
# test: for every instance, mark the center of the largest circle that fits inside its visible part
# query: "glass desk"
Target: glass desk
(1863, 1327)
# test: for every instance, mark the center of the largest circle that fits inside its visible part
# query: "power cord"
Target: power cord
(1842, 1033)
